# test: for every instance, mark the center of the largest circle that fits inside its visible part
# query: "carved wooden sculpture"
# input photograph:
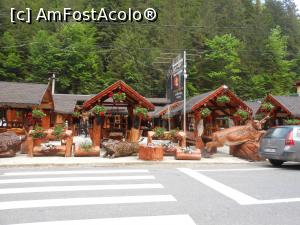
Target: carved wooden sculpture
(246, 136)
(10, 143)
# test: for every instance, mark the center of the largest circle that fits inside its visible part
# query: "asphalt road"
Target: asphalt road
(253, 193)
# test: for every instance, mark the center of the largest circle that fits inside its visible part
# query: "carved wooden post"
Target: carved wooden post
(96, 133)
(69, 142)
(29, 144)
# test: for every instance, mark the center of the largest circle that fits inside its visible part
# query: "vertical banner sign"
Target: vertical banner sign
(175, 80)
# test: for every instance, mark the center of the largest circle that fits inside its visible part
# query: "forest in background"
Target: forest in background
(251, 46)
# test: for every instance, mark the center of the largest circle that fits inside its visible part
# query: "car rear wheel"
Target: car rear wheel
(276, 162)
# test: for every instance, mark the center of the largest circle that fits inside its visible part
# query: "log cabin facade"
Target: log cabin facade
(17, 100)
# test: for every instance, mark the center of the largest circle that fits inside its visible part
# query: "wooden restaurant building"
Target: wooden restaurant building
(17, 100)
(207, 113)
(119, 121)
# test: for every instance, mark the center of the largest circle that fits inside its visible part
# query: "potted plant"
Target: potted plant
(205, 112)
(222, 100)
(38, 114)
(141, 112)
(87, 149)
(292, 122)
(58, 132)
(99, 111)
(241, 114)
(267, 107)
(159, 132)
(38, 135)
(119, 96)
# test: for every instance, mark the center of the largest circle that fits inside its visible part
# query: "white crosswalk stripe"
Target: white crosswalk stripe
(145, 220)
(85, 188)
(65, 179)
(4, 191)
(68, 172)
(84, 201)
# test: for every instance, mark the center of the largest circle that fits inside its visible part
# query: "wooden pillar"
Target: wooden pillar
(96, 133)
(69, 142)
(46, 121)
(29, 144)
(9, 116)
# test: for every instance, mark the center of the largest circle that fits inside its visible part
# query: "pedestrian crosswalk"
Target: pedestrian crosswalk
(41, 193)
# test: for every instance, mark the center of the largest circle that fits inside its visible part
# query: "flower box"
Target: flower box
(151, 153)
(194, 155)
(94, 152)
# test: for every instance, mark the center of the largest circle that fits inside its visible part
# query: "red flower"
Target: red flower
(110, 94)
(101, 113)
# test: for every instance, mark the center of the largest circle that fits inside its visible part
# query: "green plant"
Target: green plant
(38, 114)
(205, 112)
(159, 132)
(119, 97)
(58, 131)
(38, 132)
(171, 134)
(267, 106)
(86, 146)
(140, 111)
(292, 121)
(76, 114)
(223, 99)
(98, 109)
(242, 114)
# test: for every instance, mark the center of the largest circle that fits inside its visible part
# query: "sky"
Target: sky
(298, 4)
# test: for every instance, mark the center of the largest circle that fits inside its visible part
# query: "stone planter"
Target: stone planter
(95, 152)
(151, 153)
(195, 155)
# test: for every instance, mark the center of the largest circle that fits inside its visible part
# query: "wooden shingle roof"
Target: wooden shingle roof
(21, 95)
(65, 103)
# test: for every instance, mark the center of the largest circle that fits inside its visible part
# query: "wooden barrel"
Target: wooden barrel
(155, 153)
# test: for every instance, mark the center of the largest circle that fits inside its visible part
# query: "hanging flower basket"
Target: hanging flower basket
(292, 122)
(140, 112)
(119, 97)
(38, 114)
(76, 114)
(267, 107)
(241, 114)
(222, 100)
(205, 112)
(99, 110)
